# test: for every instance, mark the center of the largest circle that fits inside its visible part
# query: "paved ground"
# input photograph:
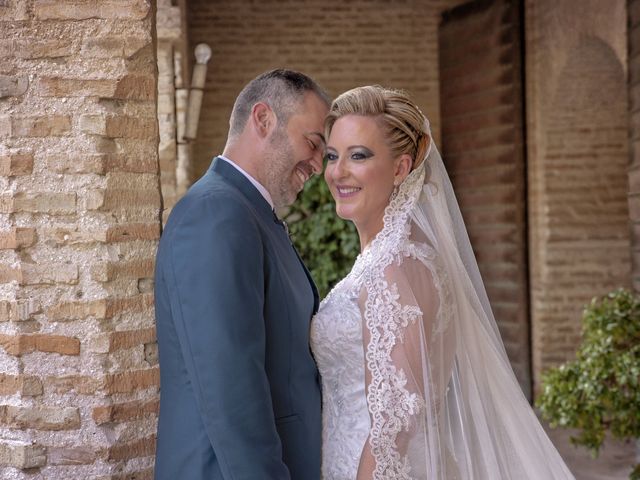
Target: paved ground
(613, 463)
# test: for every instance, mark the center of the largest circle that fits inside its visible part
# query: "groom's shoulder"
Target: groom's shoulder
(212, 200)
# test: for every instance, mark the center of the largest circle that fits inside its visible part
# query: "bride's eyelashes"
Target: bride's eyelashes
(359, 154)
(330, 156)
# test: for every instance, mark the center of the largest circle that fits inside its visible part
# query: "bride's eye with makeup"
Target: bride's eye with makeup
(361, 154)
(330, 156)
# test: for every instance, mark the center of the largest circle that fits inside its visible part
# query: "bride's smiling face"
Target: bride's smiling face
(361, 172)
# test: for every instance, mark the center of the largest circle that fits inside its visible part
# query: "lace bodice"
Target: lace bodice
(336, 341)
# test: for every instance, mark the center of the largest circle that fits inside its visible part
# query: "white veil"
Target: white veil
(443, 399)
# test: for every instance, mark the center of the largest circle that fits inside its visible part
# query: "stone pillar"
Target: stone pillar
(167, 124)
(577, 141)
(79, 225)
(172, 44)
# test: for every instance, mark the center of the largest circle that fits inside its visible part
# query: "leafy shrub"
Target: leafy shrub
(600, 390)
(327, 244)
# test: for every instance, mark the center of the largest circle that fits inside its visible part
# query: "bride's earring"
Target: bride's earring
(396, 187)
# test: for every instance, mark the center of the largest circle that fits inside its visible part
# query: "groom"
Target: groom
(240, 395)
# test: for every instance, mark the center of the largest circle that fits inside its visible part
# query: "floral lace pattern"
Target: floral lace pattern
(336, 341)
(391, 405)
(387, 407)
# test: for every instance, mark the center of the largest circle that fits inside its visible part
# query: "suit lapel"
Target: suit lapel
(242, 183)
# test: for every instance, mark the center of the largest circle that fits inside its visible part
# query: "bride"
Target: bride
(416, 381)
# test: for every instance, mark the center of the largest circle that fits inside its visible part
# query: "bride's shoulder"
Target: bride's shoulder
(417, 250)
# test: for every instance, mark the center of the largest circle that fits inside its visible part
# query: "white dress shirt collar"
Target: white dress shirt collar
(263, 191)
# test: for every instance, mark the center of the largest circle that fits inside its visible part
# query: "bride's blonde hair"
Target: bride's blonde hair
(404, 124)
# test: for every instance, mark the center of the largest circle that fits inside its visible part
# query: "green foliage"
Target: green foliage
(328, 244)
(600, 390)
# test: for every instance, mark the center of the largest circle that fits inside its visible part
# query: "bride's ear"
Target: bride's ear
(403, 167)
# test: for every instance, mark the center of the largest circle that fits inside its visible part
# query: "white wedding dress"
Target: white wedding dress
(414, 374)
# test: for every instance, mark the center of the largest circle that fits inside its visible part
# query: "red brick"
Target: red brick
(146, 474)
(132, 127)
(136, 87)
(71, 455)
(48, 274)
(31, 386)
(73, 87)
(121, 340)
(43, 126)
(79, 384)
(127, 411)
(125, 198)
(23, 384)
(69, 163)
(13, 86)
(133, 231)
(77, 310)
(105, 272)
(120, 126)
(110, 47)
(127, 382)
(634, 207)
(634, 19)
(137, 303)
(73, 236)
(18, 310)
(44, 202)
(21, 455)
(138, 163)
(10, 273)
(128, 87)
(40, 418)
(5, 126)
(143, 447)
(17, 237)
(32, 48)
(26, 343)
(5, 310)
(82, 9)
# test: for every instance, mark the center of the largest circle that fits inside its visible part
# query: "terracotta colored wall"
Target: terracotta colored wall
(634, 135)
(482, 144)
(577, 129)
(341, 44)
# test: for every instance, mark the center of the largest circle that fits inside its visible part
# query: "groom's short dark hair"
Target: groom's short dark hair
(281, 89)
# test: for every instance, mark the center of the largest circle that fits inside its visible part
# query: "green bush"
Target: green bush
(600, 390)
(327, 244)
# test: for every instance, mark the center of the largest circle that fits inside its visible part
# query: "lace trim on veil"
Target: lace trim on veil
(391, 405)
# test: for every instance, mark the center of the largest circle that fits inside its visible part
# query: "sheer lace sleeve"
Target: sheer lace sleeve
(405, 365)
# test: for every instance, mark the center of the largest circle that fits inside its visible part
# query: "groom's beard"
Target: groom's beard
(280, 170)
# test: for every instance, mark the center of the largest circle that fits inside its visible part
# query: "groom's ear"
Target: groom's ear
(263, 119)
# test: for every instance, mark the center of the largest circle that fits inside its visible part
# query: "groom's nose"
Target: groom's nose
(316, 162)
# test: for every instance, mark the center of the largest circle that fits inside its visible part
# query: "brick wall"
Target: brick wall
(634, 136)
(79, 223)
(577, 129)
(341, 44)
(482, 145)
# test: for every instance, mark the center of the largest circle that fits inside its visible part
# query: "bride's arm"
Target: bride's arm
(399, 311)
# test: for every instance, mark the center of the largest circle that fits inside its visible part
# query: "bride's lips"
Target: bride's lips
(345, 191)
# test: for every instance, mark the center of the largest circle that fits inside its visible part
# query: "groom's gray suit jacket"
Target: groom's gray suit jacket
(240, 392)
